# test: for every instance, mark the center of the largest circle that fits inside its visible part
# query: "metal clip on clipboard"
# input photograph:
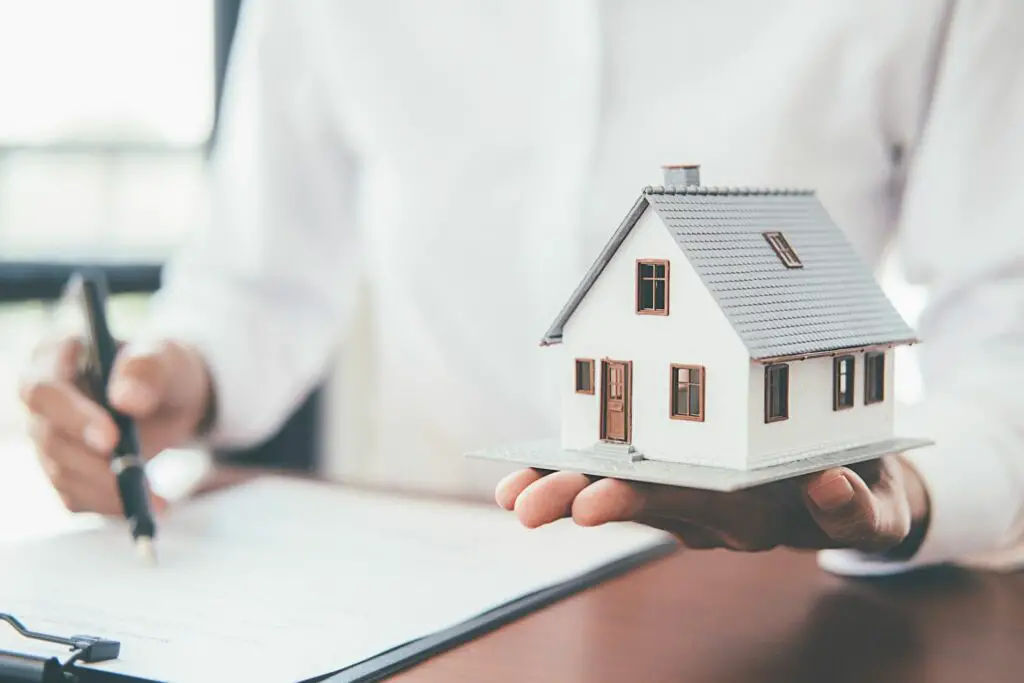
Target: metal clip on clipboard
(22, 668)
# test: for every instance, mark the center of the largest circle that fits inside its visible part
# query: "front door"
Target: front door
(615, 401)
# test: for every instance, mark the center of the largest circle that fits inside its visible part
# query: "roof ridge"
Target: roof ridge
(732, 191)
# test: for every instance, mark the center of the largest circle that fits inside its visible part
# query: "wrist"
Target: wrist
(204, 398)
(208, 416)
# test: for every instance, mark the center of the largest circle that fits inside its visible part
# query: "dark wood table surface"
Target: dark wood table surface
(720, 617)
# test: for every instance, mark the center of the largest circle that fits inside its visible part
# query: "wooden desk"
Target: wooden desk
(720, 617)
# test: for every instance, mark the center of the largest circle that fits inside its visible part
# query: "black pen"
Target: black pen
(126, 461)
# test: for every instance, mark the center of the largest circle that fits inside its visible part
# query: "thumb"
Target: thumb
(139, 379)
(853, 515)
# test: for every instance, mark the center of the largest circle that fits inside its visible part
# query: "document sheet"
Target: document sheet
(284, 580)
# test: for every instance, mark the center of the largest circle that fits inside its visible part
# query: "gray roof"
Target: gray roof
(833, 302)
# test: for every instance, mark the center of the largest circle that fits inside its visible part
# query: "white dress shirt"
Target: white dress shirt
(406, 193)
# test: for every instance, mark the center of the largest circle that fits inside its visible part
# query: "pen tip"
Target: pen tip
(144, 546)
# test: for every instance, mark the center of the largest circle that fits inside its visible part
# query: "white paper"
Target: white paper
(283, 580)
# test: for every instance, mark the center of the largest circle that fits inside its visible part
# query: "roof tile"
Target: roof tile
(832, 302)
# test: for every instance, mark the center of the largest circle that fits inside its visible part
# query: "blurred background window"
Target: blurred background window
(106, 72)
(108, 110)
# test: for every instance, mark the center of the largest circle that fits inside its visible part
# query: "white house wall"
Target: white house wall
(696, 332)
(812, 422)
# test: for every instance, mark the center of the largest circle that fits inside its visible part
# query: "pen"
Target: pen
(126, 461)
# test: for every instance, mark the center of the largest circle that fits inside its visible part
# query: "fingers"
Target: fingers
(56, 360)
(72, 455)
(609, 500)
(549, 498)
(870, 471)
(842, 509)
(615, 500)
(70, 412)
(509, 488)
(72, 434)
(96, 497)
(81, 476)
(139, 378)
(855, 515)
(539, 499)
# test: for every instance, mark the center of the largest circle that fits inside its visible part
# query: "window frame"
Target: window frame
(783, 249)
(837, 394)
(768, 384)
(576, 375)
(637, 284)
(700, 384)
(876, 358)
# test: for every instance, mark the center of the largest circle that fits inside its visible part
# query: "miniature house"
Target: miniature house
(735, 328)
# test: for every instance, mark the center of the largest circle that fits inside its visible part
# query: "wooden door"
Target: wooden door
(616, 399)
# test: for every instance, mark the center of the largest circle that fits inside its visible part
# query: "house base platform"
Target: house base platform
(548, 454)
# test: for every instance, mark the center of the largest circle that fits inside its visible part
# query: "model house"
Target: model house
(729, 327)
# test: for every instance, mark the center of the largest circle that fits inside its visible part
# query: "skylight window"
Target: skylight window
(782, 249)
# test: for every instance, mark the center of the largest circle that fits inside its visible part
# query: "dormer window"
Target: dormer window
(783, 250)
(652, 287)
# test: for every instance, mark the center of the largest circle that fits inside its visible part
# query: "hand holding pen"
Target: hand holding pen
(164, 389)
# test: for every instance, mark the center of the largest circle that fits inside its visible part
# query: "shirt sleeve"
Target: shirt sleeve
(962, 237)
(265, 291)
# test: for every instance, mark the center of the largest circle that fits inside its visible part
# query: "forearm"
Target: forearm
(264, 293)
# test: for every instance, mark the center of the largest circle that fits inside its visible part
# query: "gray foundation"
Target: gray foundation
(548, 454)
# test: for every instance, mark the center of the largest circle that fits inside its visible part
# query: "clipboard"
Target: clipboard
(406, 656)
(18, 667)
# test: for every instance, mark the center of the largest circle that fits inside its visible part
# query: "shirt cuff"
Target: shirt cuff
(971, 490)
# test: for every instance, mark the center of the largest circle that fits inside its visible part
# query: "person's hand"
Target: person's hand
(165, 388)
(876, 506)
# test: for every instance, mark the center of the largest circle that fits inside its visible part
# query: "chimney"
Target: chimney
(682, 175)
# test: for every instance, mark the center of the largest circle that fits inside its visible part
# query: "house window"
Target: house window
(874, 377)
(783, 250)
(776, 393)
(687, 393)
(652, 287)
(842, 382)
(584, 376)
